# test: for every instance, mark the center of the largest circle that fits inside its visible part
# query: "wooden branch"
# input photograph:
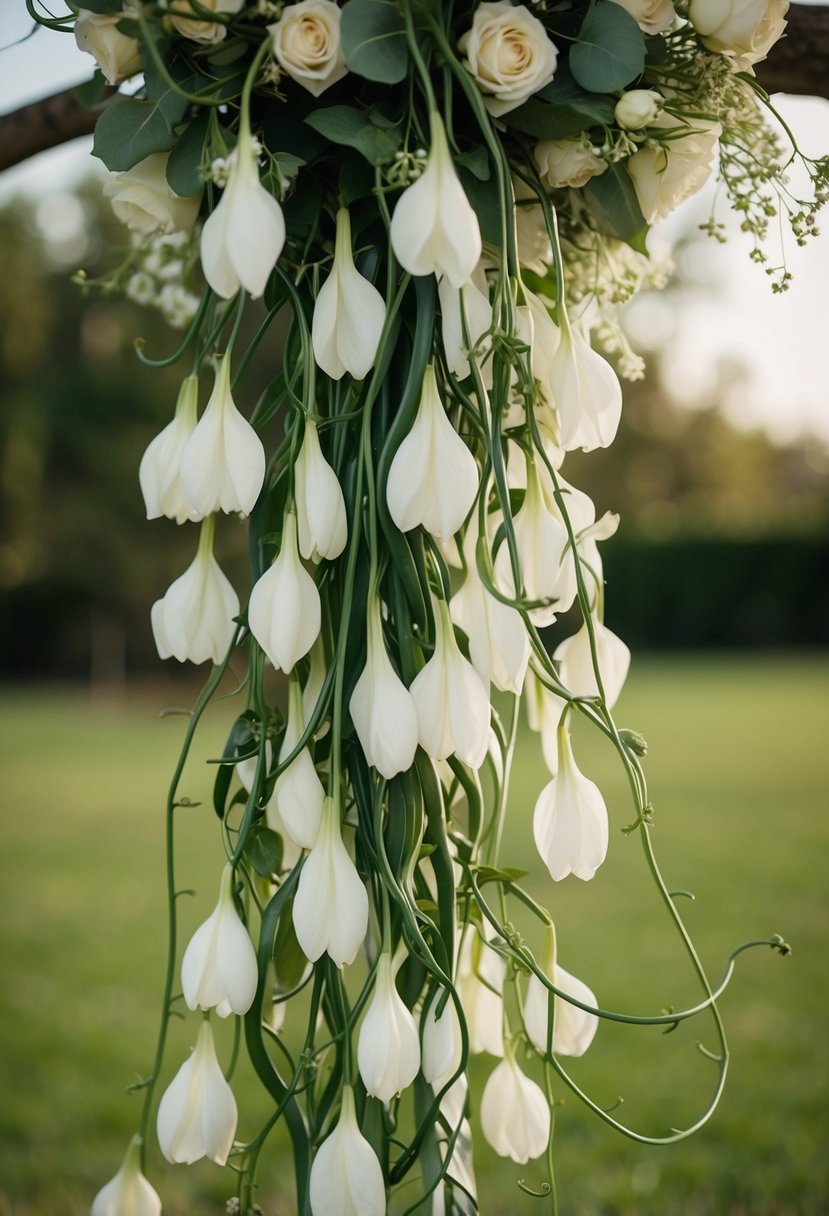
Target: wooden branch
(799, 63)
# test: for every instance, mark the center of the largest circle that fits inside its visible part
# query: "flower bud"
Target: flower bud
(298, 793)
(515, 1115)
(349, 314)
(159, 473)
(197, 1113)
(284, 612)
(129, 1191)
(330, 909)
(570, 819)
(346, 1178)
(637, 108)
(219, 969)
(193, 621)
(306, 43)
(116, 54)
(541, 540)
(382, 708)
(442, 1042)
(320, 506)
(388, 1049)
(573, 1028)
(481, 975)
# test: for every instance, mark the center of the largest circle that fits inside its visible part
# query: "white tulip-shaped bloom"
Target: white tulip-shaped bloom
(570, 819)
(573, 1028)
(223, 461)
(331, 905)
(246, 772)
(481, 975)
(159, 473)
(544, 710)
(349, 314)
(588, 530)
(433, 479)
(219, 969)
(473, 296)
(382, 708)
(298, 793)
(243, 236)
(284, 613)
(434, 229)
(451, 701)
(442, 1043)
(587, 394)
(320, 506)
(515, 1115)
(193, 621)
(346, 1178)
(541, 539)
(388, 1049)
(575, 660)
(128, 1193)
(197, 1113)
(499, 646)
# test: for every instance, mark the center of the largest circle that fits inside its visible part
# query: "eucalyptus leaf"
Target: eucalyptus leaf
(128, 131)
(352, 127)
(614, 204)
(476, 160)
(92, 92)
(374, 40)
(610, 51)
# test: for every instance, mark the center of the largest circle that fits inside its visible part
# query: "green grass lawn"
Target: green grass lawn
(739, 771)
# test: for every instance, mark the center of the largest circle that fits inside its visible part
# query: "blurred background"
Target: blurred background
(718, 579)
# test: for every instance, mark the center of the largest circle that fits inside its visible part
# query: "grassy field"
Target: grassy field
(739, 770)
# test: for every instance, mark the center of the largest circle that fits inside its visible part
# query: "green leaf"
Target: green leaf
(486, 203)
(160, 91)
(92, 92)
(289, 960)
(185, 164)
(352, 127)
(476, 160)
(264, 850)
(614, 203)
(374, 40)
(103, 6)
(130, 130)
(610, 51)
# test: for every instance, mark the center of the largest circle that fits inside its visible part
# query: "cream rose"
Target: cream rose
(199, 29)
(667, 174)
(142, 199)
(652, 16)
(744, 30)
(116, 54)
(509, 54)
(306, 43)
(637, 109)
(566, 162)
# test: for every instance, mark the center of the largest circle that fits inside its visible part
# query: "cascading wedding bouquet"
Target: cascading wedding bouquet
(447, 202)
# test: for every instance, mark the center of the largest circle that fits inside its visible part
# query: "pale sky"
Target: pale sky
(731, 311)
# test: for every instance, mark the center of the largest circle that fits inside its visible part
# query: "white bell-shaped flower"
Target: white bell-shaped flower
(284, 612)
(451, 701)
(331, 905)
(473, 297)
(575, 659)
(381, 706)
(388, 1049)
(197, 1113)
(544, 338)
(193, 621)
(540, 539)
(587, 394)
(499, 645)
(346, 1178)
(481, 973)
(219, 969)
(349, 314)
(320, 506)
(246, 772)
(515, 1115)
(544, 710)
(434, 229)
(582, 515)
(570, 819)
(433, 479)
(159, 473)
(129, 1191)
(573, 1028)
(243, 236)
(298, 794)
(223, 461)
(442, 1042)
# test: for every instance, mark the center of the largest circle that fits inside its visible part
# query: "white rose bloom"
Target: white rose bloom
(515, 1115)
(197, 1113)
(159, 473)
(744, 30)
(576, 663)
(330, 910)
(382, 708)
(652, 16)
(306, 43)
(586, 391)
(142, 199)
(243, 236)
(246, 772)
(200, 29)
(116, 54)
(666, 174)
(481, 973)
(433, 478)
(434, 229)
(442, 1043)
(637, 108)
(570, 819)
(223, 461)
(284, 612)
(509, 54)
(298, 795)
(540, 539)
(453, 711)
(320, 506)
(349, 313)
(566, 162)
(573, 1028)
(193, 621)
(388, 1049)
(219, 969)
(478, 312)
(346, 1178)
(129, 1191)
